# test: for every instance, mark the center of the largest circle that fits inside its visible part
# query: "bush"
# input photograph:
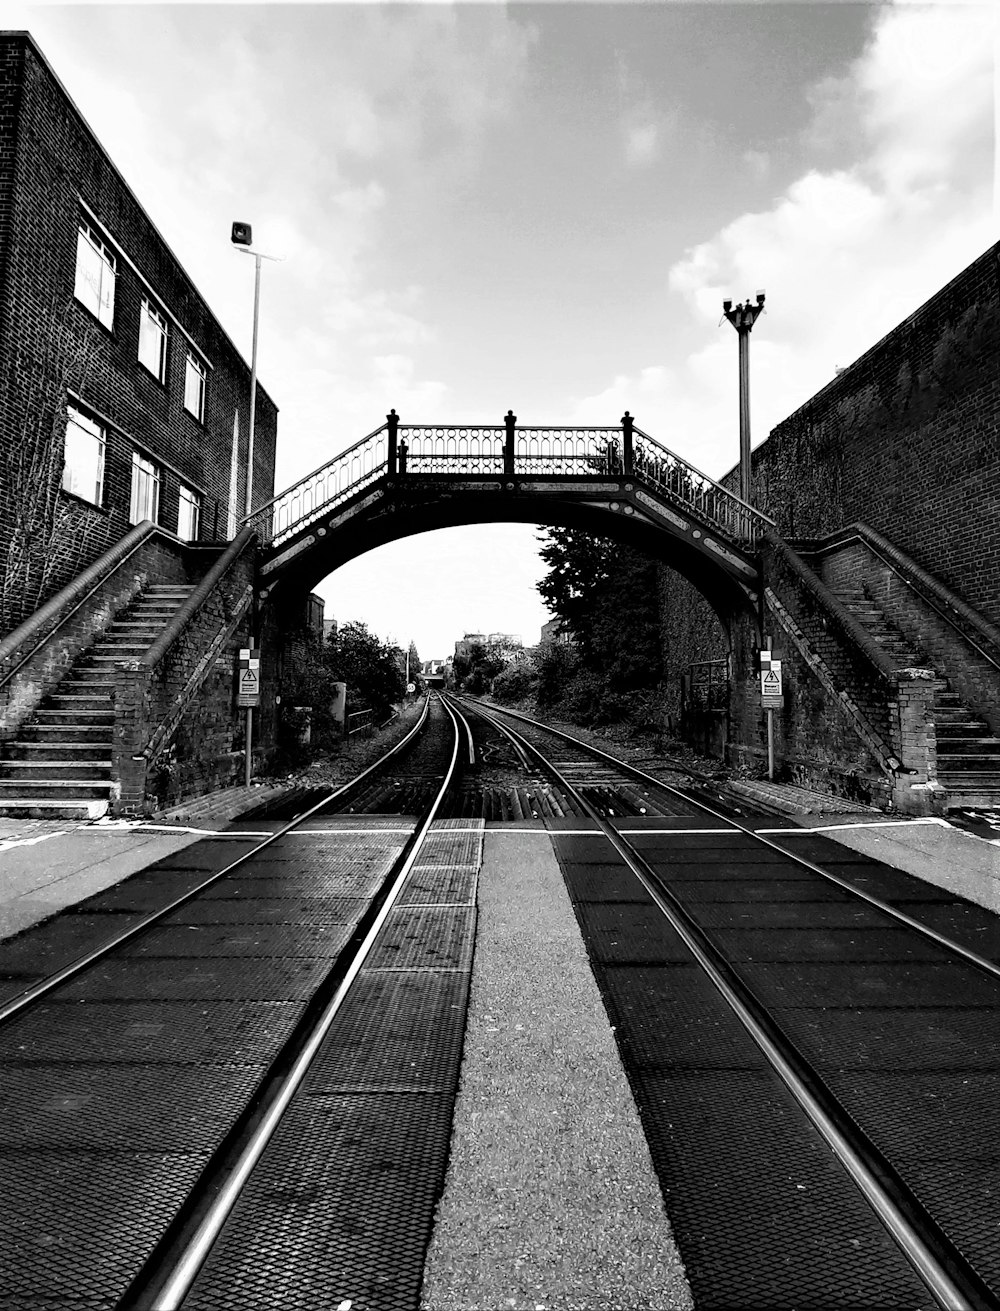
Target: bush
(514, 684)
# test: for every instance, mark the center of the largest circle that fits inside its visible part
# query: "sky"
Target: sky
(541, 207)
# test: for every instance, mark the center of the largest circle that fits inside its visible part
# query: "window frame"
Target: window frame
(102, 310)
(154, 473)
(83, 422)
(150, 313)
(194, 366)
(188, 496)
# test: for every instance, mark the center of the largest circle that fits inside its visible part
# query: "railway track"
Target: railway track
(300, 1005)
(219, 1096)
(814, 1049)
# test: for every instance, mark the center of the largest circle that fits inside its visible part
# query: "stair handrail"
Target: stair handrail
(189, 608)
(902, 564)
(858, 634)
(80, 590)
(744, 516)
(339, 458)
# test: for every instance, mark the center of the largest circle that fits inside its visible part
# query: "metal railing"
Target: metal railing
(507, 450)
(451, 449)
(689, 488)
(323, 489)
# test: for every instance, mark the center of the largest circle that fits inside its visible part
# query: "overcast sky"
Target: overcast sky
(541, 207)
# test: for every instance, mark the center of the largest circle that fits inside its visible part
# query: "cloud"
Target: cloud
(844, 254)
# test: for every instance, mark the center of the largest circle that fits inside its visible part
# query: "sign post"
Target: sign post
(248, 696)
(771, 700)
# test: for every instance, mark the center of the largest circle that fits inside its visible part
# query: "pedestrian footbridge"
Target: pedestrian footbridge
(403, 479)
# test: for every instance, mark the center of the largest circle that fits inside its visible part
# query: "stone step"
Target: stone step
(43, 808)
(78, 701)
(952, 763)
(128, 646)
(954, 730)
(97, 684)
(70, 789)
(29, 773)
(73, 717)
(967, 746)
(82, 750)
(68, 731)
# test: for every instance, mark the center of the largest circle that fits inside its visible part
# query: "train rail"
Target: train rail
(151, 1081)
(877, 1025)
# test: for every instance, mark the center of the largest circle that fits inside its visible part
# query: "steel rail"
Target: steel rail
(971, 957)
(177, 1283)
(37, 991)
(964, 1294)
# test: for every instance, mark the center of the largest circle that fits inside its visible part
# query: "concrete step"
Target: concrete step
(126, 647)
(78, 701)
(62, 717)
(959, 729)
(43, 808)
(961, 747)
(50, 789)
(69, 733)
(31, 772)
(985, 763)
(82, 750)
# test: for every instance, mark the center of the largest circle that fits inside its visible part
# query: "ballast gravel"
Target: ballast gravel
(551, 1202)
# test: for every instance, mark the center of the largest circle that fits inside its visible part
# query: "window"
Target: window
(188, 514)
(153, 340)
(95, 274)
(145, 489)
(194, 387)
(83, 471)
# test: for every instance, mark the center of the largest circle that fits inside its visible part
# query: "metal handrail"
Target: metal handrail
(532, 449)
(307, 477)
(901, 564)
(744, 505)
(99, 572)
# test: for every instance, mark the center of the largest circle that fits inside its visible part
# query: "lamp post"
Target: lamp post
(743, 318)
(242, 239)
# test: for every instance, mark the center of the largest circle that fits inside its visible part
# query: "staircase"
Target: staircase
(60, 767)
(968, 756)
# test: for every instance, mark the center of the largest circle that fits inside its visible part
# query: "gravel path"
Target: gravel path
(551, 1201)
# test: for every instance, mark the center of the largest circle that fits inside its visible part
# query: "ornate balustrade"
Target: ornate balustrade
(323, 489)
(688, 487)
(506, 450)
(451, 449)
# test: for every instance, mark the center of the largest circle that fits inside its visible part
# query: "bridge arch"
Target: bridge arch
(402, 480)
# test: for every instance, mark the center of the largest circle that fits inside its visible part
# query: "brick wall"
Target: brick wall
(937, 630)
(907, 440)
(27, 674)
(53, 349)
(178, 731)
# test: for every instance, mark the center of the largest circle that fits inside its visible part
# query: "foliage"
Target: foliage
(474, 673)
(606, 594)
(371, 668)
(515, 684)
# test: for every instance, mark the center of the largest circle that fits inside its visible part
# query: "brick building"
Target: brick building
(121, 396)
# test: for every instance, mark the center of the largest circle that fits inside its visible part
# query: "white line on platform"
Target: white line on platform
(9, 843)
(878, 823)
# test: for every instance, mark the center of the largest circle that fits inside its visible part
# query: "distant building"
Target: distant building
(329, 629)
(122, 398)
(556, 631)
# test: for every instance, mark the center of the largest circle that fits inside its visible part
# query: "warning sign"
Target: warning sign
(248, 678)
(770, 681)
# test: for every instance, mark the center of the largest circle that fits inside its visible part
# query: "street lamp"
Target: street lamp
(242, 238)
(743, 318)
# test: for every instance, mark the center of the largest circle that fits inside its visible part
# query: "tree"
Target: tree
(370, 667)
(607, 595)
(475, 672)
